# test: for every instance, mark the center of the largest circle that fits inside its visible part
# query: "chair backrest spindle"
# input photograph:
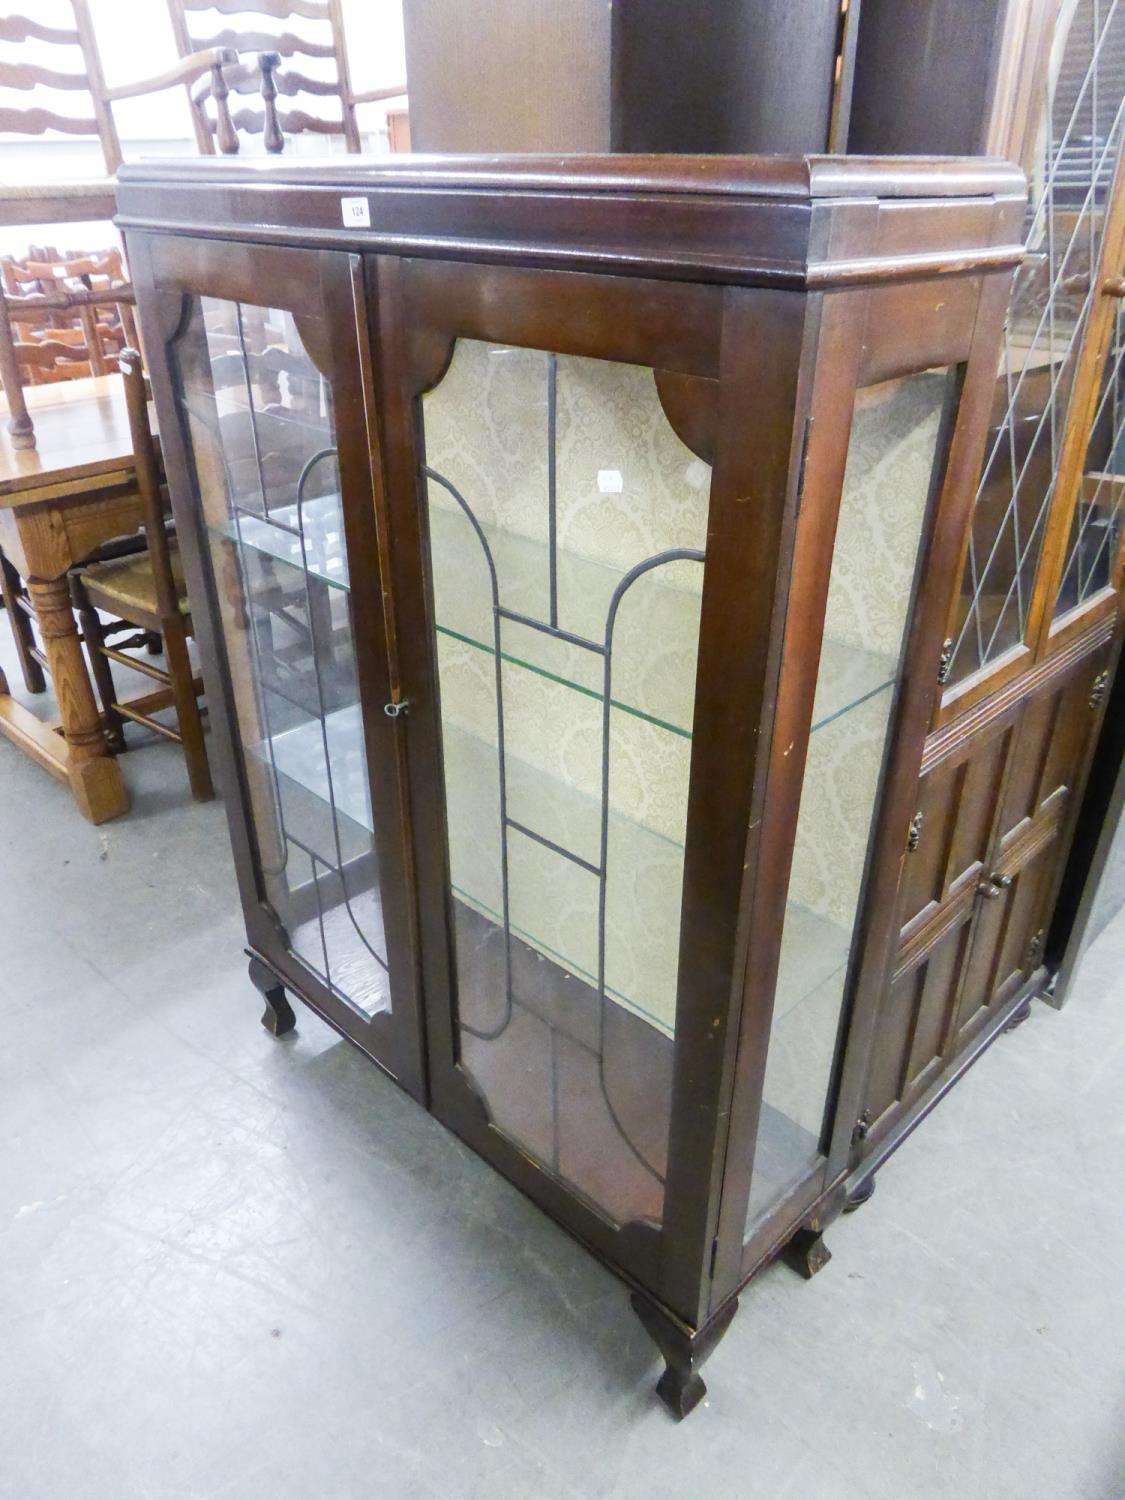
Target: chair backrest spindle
(148, 480)
(288, 36)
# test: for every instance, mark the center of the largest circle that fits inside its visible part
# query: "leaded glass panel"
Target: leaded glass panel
(259, 420)
(566, 523)
(1099, 517)
(1077, 152)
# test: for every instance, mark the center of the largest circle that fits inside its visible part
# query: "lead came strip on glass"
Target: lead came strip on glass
(605, 649)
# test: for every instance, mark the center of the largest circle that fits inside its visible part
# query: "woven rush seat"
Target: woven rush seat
(145, 590)
(130, 582)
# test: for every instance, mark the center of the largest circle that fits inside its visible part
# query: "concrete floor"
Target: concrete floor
(233, 1267)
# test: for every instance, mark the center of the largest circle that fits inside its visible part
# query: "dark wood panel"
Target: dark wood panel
(924, 76)
(613, 75)
(755, 77)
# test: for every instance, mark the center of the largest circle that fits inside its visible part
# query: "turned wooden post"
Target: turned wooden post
(272, 137)
(94, 776)
(19, 422)
(225, 133)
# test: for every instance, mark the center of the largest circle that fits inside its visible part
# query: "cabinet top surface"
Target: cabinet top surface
(801, 222)
(801, 177)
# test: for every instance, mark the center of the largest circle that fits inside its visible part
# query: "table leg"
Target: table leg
(19, 423)
(11, 586)
(93, 774)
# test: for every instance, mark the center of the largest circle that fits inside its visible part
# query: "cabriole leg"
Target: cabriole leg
(681, 1387)
(278, 1017)
(806, 1253)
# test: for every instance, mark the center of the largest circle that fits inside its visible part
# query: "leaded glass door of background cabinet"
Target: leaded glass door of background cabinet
(1028, 504)
(272, 428)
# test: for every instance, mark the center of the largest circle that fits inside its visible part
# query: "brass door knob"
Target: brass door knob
(995, 885)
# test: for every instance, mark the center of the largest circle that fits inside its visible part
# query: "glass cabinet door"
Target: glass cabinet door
(1081, 129)
(566, 524)
(286, 551)
(1093, 550)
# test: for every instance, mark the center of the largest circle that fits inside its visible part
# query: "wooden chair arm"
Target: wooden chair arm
(373, 96)
(187, 70)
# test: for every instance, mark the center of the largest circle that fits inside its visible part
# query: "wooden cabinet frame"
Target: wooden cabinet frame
(762, 295)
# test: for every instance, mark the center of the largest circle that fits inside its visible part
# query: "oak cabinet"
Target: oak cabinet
(573, 545)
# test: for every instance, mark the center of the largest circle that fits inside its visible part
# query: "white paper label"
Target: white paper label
(610, 481)
(356, 213)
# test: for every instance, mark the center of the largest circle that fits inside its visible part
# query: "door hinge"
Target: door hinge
(1097, 691)
(1034, 949)
(862, 1128)
(914, 837)
(945, 661)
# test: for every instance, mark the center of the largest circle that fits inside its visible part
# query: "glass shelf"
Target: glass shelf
(654, 614)
(657, 680)
(298, 754)
(641, 956)
(275, 537)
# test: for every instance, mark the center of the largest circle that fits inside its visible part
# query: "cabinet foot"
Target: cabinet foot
(278, 1017)
(1019, 1016)
(681, 1386)
(862, 1193)
(806, 1253)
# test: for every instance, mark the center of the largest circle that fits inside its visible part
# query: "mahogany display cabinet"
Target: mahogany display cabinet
(571, 544)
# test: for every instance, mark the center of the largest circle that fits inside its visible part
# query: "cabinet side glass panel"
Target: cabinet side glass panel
(887, 480)
(566, 524)
(258, 418)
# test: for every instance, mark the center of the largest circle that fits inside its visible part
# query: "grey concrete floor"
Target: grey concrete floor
(236, 1267)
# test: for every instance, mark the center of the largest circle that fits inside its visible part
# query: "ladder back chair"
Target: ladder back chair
(73, 68)
(147, 592)
(79, 71)
(301, 51)
(101, 329)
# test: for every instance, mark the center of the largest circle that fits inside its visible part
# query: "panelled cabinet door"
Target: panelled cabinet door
(267, 428)
(978, 879)
(947, 856)
(1048, 766)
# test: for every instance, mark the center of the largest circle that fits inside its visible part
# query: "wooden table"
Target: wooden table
(58, 502)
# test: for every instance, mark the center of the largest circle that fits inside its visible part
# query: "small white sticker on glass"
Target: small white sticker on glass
(610, 481)
(356, 213)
